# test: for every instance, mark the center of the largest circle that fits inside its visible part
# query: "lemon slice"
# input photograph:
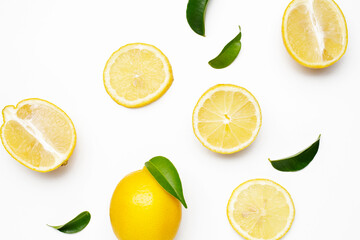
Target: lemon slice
(261, 209)
(314, 32)
(227, 118)
(38, 134)
(137, 74)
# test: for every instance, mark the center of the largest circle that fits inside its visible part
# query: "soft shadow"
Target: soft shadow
(318, 72)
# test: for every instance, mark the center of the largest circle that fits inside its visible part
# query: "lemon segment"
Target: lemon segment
(137, 74)
(227, 118)
(261, 209)
(314, 32)
(141, 209)
(38, 134)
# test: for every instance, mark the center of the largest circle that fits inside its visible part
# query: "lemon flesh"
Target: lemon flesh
(141, 209)
(314, 32)
(137, 74)
(227, 118)
(38, 134)
(261, 209)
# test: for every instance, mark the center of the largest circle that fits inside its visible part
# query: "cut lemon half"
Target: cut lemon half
(137, 74)
(227, 118)
(261, 209)
(38, 134)
(314, 32)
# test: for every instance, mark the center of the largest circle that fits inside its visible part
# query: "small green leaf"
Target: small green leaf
(167, 176)
(75, 225)
(228, 54)
(195, 15)
(298, 161)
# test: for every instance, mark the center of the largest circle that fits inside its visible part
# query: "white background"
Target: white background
(57, 49)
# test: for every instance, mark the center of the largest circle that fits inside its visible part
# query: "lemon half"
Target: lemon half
(137, 74)
(38, 134)
(314, 32)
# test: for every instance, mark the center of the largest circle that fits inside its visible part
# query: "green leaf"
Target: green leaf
(195, 15)
(167, 176)
(298, 161)
(228, 54)
(75, 225)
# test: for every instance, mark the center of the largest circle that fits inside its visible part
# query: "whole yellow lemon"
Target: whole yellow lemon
(141, 209)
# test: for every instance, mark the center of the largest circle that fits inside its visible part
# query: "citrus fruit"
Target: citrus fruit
(137, 74)
(141, 209)
(260, 209)
(314, 32)
(227, 118)
(38, 134)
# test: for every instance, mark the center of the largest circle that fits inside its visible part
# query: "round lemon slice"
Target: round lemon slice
(38, 134)
(227, 118)
(261, 209)
(314, 32)
(137, 74)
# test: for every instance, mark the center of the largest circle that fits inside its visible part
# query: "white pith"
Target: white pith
(319, 33)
